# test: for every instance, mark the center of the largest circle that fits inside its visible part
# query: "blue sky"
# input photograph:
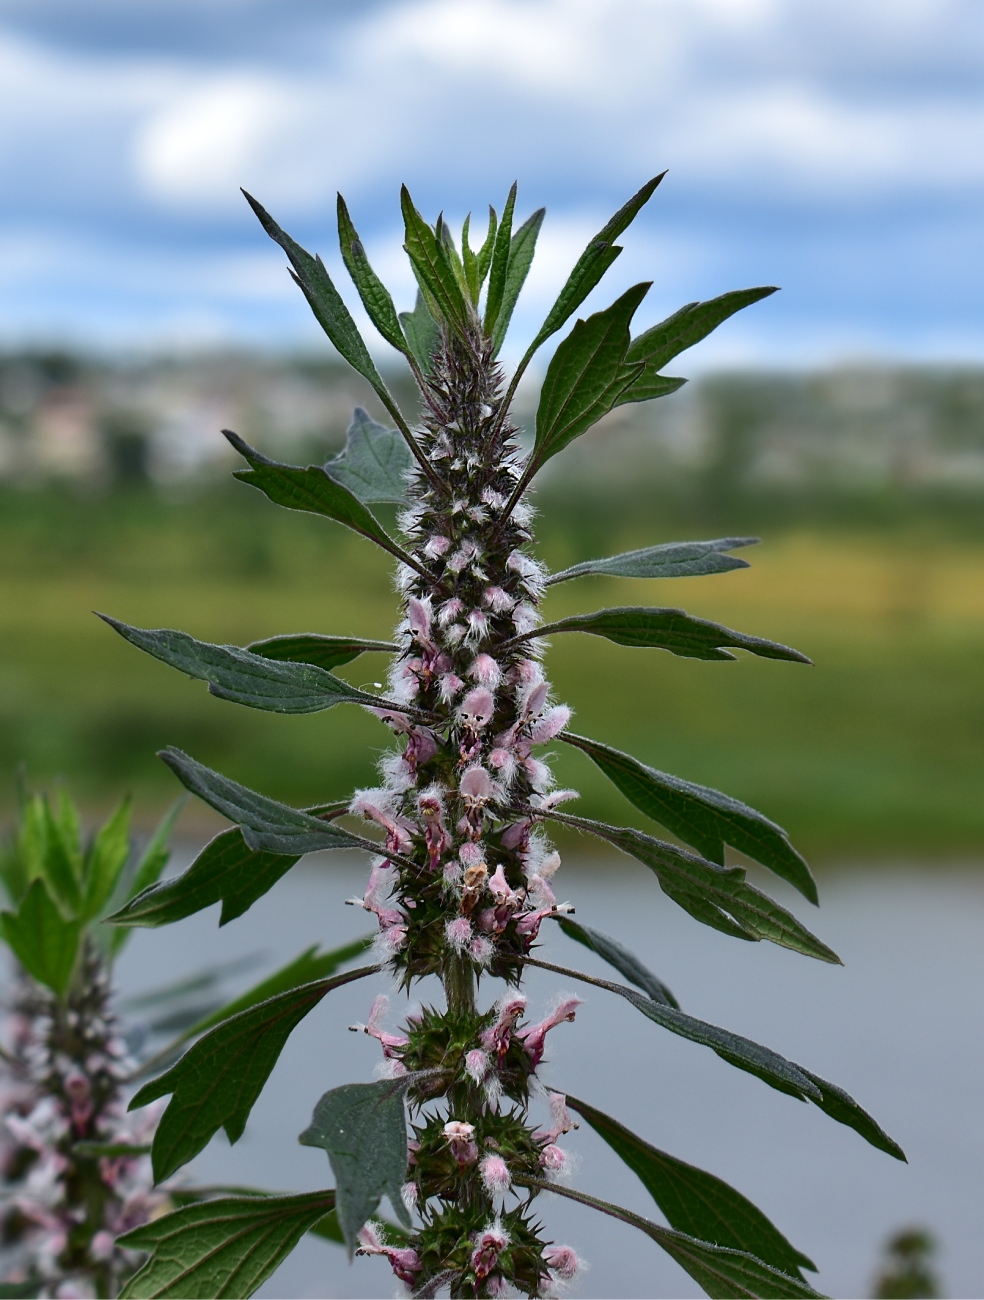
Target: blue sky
(833, 147)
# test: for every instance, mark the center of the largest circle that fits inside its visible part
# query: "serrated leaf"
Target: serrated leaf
(666, 629)
(422, 333)
(432, 266)
(224, 1248)
(375, 296)
(105, 861)
(668, 560)
(312, 648)
(695, 1202)
(265, 823)
(723, 1273)
(217, 1081)
(522, 246)
(312, 489)
(500, 263)
(256, 680)
(585, 378)
(689, 325)
(374, 462)
(718, 896)
(44, 943)
(363, 1128)
(625, 962)
(700, 816)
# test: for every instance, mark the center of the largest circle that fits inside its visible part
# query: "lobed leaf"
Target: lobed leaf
(312, 648)
(699, 815)
(41, 939)
(625, 962)
(666, 629)
(522, 246)
(224, 1248)
(689, 325)
(668, 560)
(374, 294)
(363, 1128)
(500, 263)
(432, 266)
(647, 385)
(217, 1081)
(373, 464)
(696, 1202)
(422, 333)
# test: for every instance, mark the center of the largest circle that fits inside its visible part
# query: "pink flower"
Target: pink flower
(485, 671)
(461, 1139)
(102, 1244)
(495, 1175)
(550, 724)
(496, 1038)
(477, 1064)
(390, 1043)
(563, 1261)
(481, 950)
(449, 686)
(478, 625)
(436, 546)
(419, 619)
(476, 787)
(533, 1036)
(477, 708)
(449, 611)
(459, 933)
(562, 1122)
(536, 699)
(553, 1159)
(498, 600)
(487, 1249)
(404, 1261)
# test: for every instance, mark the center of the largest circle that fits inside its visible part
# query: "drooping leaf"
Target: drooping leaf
(723, 1273)
(265, 823)
(374, 294)
(105, 861)
(668, 560)
(584, 378)
(625, 962)
(422, 333)
(310, 488)
(699, 815)
(667, 629)
(323, 651)
(689, 325)
(374, 462)
(718, 896)
(363, 1128)
(256, 680)
(217, 1081)
(432, 266)
(224, 1248)
(696, 1202)
(42, 940)
(500, 263)
(522, 246)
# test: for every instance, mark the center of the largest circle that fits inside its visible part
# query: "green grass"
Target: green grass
(877, 750)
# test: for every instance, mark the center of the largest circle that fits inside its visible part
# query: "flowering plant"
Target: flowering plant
(462, 877)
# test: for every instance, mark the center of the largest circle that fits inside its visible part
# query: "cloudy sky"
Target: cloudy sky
(833, 147)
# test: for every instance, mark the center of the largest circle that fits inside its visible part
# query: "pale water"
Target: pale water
(900, 1027)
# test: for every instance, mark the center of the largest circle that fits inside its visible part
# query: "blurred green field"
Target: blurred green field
(876, 751)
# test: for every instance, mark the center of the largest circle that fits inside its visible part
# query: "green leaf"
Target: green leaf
(696, 1202)
(585, 377)
(374, 463)
(68, 828)
(484, 256)
(374, 294)
(718, 896)
(433, 268)
(689, 325)
(323, 651)
(500, 263)
(328, 1229)
(59, 863)
(470, 263)
(217, 1081)
(522, 246)
(363, 1128)
(44, 943)
(668, 560)
(138, 875)
(648, 385)
(625, 962)
(21, 1290)
(422, 333)
(313, 490)
(223, 1248)
(600, 253)
(265, 823)
(311, 965)
(666, 629)
(256, 680)
(105, 861)
(700, 816)
(723, 1273)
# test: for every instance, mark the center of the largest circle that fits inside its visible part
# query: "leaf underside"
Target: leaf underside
(374, 463)
(625, 962)
(314, 648)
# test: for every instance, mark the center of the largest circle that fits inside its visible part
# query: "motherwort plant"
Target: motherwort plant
(462, 882)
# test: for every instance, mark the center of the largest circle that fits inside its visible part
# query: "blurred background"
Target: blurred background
(831, 148)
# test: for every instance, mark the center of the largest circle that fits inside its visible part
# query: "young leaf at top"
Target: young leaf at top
(144, 872)
(722, 1273)
(217, 1081)
(668, 560)
(700, 816)
(265, 823)
(363, 1128)
(105, 861)
(422, 334)
(521, 249)
(696, 1202)
(432, 267)
(374, 294)
(666, 629)
(374, 462)
(225, 1248)
(312, 648)
(53, 854)
(44, 943)
(500, 263)
(470, 263)
(256, 680)
(484, 254)
(661, 343)
(625, 962)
